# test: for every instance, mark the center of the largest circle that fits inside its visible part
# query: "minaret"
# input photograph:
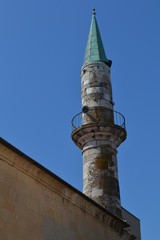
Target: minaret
(98, 130)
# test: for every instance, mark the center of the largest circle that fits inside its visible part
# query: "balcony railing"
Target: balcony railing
(105, 117)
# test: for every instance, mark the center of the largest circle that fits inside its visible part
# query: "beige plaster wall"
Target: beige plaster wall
(134, 223)
(36, 206)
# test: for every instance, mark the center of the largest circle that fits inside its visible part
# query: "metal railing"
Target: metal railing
(105, 117)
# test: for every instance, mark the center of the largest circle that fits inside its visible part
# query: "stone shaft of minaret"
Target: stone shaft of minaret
(99, 135)
(100, 173)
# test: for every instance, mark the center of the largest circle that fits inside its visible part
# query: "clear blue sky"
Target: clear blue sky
(42, 45)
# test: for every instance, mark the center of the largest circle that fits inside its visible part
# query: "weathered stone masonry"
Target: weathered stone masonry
(99, 135)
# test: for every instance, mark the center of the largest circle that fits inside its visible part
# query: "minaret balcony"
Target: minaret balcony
(106, 117)
(98, 125)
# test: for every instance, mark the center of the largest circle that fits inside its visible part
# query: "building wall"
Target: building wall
(35, 205)
(134, 223)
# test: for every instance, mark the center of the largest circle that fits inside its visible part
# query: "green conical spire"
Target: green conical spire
(95, 51)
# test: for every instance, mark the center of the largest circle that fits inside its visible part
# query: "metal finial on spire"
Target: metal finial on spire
(94, 11)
